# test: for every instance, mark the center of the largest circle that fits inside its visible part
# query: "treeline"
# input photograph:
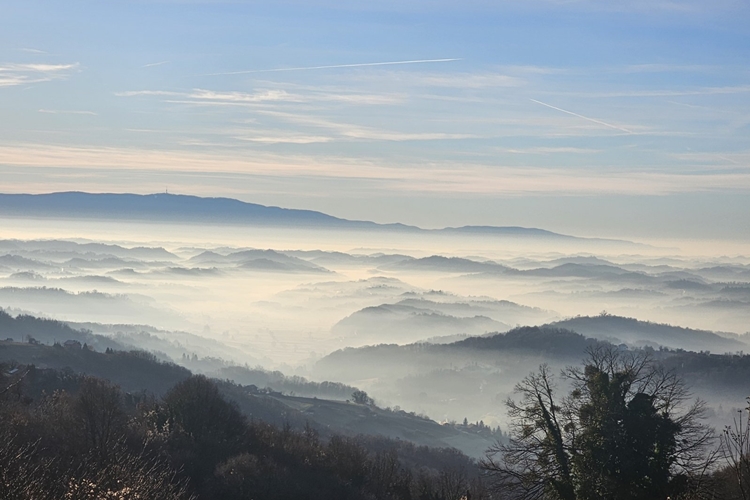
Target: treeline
(132, 370)
(25, 328)
(88, 439)
(290, 385)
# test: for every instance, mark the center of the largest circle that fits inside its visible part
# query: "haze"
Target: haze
(579, 173)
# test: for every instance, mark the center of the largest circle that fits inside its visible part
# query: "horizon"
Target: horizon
(716, 247)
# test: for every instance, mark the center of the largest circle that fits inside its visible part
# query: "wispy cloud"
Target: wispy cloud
(151, 65)
(32, 51)
(416, 177)
(461, 80)
(23, 74)
(701, 91)
(228, 98)
(543, 150)
(353, 131)
(281, 137)
(334, 66)
(140, 93)
(244, 97)
(593, 120)
(66, 112)
(663, 68)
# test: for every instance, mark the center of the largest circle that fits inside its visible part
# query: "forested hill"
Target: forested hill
(66, 435)
(517, 352)
(25, 328)
(138, 372)
(617, 329)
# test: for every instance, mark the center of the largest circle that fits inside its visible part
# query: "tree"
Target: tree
(625, 431)
(102, 418)
(735, 449)
(361, 398)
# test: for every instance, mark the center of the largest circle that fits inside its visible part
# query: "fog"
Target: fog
(286, 299)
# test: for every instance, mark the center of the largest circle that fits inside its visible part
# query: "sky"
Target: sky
(596, 118)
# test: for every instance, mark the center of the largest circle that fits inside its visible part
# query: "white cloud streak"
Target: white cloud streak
(436, 178)
(229, 98)
(24, 74)
(151, 65)
(32, 51)
(358, 132)
(66, 112)
(142, 93)
(333, 66)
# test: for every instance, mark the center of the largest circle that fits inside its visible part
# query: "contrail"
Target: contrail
(358, 65)
(584, 117)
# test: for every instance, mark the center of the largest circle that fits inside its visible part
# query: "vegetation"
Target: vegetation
(626, 430)
(622, 426)
(89, 440)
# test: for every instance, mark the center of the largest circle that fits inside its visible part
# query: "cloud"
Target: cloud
(463, 80)
(360, 132)
(151, 65)
(281, 137)
(702, 91)
(244, 97)
(443, 177)
(24, 74)
(66, 112)
(548, 150)
(333, 66)
(139, 93)
(237, 98)
(32, 51)
(664, 68)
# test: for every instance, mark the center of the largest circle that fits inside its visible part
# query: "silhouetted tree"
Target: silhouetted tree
(735, 449)
(361, 397)
(98, 405)
(624, 432)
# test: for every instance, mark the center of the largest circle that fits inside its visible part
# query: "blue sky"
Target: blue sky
(592, 117)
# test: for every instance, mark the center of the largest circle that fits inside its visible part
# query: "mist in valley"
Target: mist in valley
(312, 304)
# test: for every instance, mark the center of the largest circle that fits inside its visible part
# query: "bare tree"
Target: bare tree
(735, 450)
(99, 407)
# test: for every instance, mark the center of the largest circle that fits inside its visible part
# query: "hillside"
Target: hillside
(138, 372)
(617, 330)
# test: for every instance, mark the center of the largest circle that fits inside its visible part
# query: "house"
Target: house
(72, 344)
(12, 372)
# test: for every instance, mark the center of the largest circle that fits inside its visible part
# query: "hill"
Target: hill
(617, 329)
(138, 371)
(166, 207)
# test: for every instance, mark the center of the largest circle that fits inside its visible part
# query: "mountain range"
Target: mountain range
(165, 207)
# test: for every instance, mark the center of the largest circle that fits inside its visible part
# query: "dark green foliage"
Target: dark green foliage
(625, 439)
(624, 432)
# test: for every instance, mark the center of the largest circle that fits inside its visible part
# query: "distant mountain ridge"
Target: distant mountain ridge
(165, 207)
